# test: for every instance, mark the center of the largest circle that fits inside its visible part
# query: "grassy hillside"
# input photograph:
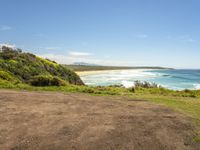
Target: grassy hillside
(19, 67)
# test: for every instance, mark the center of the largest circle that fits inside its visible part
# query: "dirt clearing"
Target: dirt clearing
(60, 121)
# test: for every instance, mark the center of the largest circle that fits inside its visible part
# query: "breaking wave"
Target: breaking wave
(176, 79)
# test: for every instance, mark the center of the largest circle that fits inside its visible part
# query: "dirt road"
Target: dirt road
(60, 121)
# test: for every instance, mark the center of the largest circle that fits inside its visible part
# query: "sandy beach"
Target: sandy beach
(82, 73)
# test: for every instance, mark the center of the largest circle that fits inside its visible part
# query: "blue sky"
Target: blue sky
(108, 32)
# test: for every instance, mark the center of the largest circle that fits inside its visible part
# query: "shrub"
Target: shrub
(43, 80)
(6, 76)
(6, 84)
(117, 85)
(145, 84)
(88, 90)
(132, 89)
(56, 81)
(188, 93)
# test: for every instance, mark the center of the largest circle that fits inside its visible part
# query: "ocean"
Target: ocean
(171, 79)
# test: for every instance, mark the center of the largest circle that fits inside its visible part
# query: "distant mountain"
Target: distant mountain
(84, 64)
(17, 66)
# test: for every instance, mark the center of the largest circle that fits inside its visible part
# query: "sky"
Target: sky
(105, 32)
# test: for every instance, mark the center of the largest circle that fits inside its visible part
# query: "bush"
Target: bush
(117, 85)
(88, 90)
(132, 89)
(6, 76)
(43, 80)
(56, 81)
(145, 84)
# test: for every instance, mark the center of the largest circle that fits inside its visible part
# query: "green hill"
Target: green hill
(19, 67)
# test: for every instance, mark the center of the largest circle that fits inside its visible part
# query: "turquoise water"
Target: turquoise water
(172, 79)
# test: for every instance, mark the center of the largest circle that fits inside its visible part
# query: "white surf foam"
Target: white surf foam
(197, 86)
(127, 84)
(124, 77)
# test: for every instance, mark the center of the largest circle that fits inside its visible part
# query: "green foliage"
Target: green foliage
(25, 66)
(6, 76)
(9, 53)
(43, 80)
(167, 92)
(145, 84)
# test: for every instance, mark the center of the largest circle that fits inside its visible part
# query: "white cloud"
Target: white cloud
(62, 59)
(80, 54)
(7, 45)
(5, 28)
(69, 59)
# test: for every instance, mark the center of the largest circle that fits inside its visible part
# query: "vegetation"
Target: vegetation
(28, 68)
(145, 84)
(6, 76)
(96, 68)
(42, 80)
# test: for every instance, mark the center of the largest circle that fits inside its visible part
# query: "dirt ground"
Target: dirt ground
(60, 121)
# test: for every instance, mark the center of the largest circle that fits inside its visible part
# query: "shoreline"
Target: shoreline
(127, 81)
(82, 73)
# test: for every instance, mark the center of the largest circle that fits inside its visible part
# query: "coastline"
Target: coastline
(174, 81)
(83, 73)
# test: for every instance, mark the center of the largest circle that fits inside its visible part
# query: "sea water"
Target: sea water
(171, 79)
